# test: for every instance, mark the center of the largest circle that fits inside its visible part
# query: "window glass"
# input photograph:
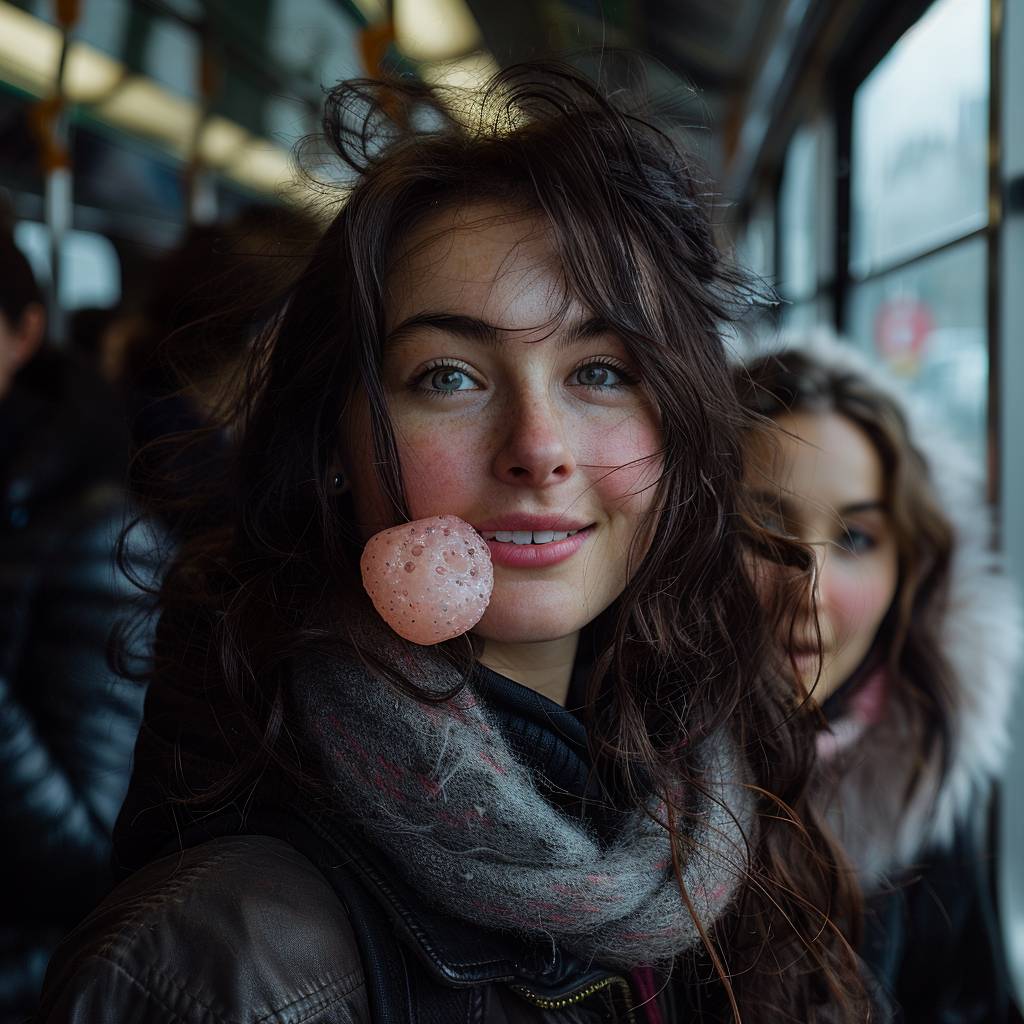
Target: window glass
(171, 55)
(90, 267)
(755, 247)
(315, 39)
(104, 24)
(287, 119)
(920, 139)
(927, 323)
(114, 172)
(806, 315)
(798, 221)
(155, 45)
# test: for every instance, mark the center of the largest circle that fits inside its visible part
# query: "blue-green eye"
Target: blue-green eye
(856, 541)
(446, 380)
(601, 375)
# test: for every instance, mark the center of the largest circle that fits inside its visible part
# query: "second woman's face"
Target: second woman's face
(824, 485)
(517, 413)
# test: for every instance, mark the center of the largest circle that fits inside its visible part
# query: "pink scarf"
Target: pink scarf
(865, 709)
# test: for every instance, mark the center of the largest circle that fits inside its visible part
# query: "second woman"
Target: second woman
(911, 652)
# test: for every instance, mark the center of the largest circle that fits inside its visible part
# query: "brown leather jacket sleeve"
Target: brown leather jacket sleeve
(238, 930)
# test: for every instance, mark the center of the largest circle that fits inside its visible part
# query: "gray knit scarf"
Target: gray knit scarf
(437, 791)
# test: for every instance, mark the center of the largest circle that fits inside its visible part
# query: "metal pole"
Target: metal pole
(58, 197)
(200, 189)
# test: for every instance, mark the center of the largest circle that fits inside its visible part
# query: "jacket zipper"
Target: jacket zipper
(573, 998)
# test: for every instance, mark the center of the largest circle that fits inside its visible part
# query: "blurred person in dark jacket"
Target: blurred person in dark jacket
(68, 722)
(914, 665)
(180, 360)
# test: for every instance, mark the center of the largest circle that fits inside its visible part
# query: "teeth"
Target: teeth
(528, 536)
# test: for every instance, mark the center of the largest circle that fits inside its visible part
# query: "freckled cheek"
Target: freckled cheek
(441, 474)
(624, 462)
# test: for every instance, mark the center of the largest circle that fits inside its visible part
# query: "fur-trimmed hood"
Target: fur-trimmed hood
(982, 641)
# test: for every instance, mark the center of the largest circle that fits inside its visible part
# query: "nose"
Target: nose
(822, 568)
(822, 579)
(536, 449)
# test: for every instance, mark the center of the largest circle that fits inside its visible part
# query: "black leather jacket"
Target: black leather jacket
(247, 928)
(67, 722)
(932, 939)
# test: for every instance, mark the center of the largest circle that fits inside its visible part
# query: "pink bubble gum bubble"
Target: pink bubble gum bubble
(430, 579)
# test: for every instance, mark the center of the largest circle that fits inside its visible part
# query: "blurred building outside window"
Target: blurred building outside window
(920, 139)
(755, 245)
(928, 322)
(917, 296)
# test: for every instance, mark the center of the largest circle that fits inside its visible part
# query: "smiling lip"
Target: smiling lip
(532, 523)
(537, 556)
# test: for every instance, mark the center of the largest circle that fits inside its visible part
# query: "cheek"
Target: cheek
(441, 469)
(623, 460)
(858, 598)
(443, 473)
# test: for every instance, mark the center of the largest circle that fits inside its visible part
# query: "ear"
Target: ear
(29, 334)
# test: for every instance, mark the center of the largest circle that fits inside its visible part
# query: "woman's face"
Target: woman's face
(824, 486)
(521, 417)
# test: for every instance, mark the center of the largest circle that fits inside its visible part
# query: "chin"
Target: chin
(527, 626)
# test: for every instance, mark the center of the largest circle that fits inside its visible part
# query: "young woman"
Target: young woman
(592, 806)
(911, 652)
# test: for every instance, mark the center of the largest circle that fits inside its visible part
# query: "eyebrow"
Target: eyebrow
(474, 329)
(862, 506)
(790, 511)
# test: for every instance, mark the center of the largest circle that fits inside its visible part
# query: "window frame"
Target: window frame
(872, 46)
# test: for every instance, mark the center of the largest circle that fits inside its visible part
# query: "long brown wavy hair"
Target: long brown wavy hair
(687, 648)
(908, 643)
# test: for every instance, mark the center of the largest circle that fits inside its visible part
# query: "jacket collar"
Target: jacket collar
(453, 953)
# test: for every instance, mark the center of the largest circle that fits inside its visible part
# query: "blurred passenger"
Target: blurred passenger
(919, 641)
(67, 721)
(87, 332)
(180, 361)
